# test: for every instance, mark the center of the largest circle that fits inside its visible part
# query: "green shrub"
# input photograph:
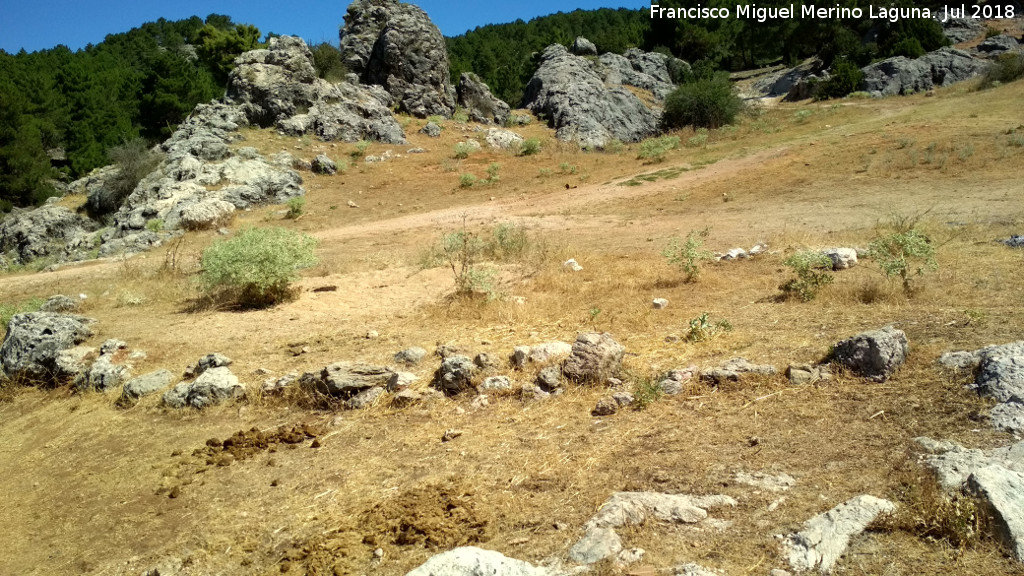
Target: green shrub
(467, 180)
(812, 272)
(257, 266)
(702, 328)
(360, 149)
(654, 149)
(462, 251)
(903, 254)
(460, 116)
(646, 391)
(463, 150)
(508, 241)
(1007, 68)
(698, 139)
(845, 80)
(909, 47)
(707, 103)
(492, 172)
(295, 207)
(529, 147)
(688, 255)
(155, 225)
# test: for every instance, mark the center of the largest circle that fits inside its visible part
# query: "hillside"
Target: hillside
(90, 487)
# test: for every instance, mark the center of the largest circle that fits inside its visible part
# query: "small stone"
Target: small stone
(623, 399)
(572, 265)
(659, 303)
(605, 407)
(411, 355)
(372, 334)
(352, 204)
(549, 378)
(495, 383)
(450, 435)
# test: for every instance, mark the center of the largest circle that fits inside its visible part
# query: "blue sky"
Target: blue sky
(39, 24)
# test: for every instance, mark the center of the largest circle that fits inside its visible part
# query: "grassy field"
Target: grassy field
(85, 485)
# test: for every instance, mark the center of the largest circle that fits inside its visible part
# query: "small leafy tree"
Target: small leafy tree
(463, 252)
(688, 255)
(256, 268)
(812, 272)
(904, 254)
(846, 78)
(654, 149)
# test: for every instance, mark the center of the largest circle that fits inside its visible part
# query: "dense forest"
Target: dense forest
(61, 112)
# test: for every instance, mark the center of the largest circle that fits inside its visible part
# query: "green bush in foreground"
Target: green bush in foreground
(812, 272)
(256, 267)
(904, 254)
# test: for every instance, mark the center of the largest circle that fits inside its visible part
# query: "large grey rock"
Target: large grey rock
(211, 387)
(596, 545)
(1007, 417)
(146, 384)
(455, 375)
(582, 101)
(395, 45)
(364, 399)
(583, 47)
(503, 139)
(346, 379)
(432, 129)
(825, 537)
(875, 354)
(214, 360)
(472, 561)
(1003, 492)
(322, 164)
(278, 86)
(207, 214)
(953, 464)
(60, 303)
(901, 75)
(999, 44)
(594, 357)
(495, 383)
(1001, 372)
(104, 374)
(540, 353)
(962, 29)
(476, 99)
(412, 355)
(45, 231)
(33, 344)
(635, 508)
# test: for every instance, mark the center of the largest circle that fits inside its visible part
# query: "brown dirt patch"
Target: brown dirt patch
(441, 516)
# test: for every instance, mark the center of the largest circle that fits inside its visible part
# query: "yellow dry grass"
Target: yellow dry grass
(81, 477)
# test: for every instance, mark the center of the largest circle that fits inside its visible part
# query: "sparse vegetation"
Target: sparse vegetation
(464, 149)
(654, 149)
(687, 254)
(256, 267)
(295, 207)
(467, 180)
(359, 150)
(904, 254)
(529, 147)
(8, 310)
(154, 225)
(813, 271)
(646, 391)
(702, 329)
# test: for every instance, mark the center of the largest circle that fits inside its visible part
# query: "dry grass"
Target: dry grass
(82, 476)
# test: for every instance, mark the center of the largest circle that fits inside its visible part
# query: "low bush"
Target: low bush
(702, 328)
(464, 149)
(134, 160)
(845, 80)
(1007, 68)
(904, 254)
(654, 149)
(704, 103)
(467, 180)
(688, 255)
(295, 207)
(529, 147)
(812, 271)
(256, 268)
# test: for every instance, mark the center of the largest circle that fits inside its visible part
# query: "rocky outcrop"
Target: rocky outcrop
(600, 540)
(31, 350)
(998, 45)
(278, 86)
(476, 99)
(962, 29)
(825, 537)
(396, 46)
(587, 101)
(583, 47)
(44, 232)
(875, 354)
(901, 75)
